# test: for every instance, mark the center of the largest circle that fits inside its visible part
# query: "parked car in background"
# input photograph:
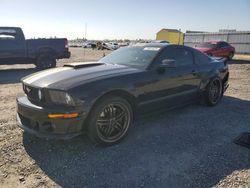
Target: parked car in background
(41, 52)
(76, 44)
(102, 98)
(123, 44)
(107, 46)
(217, 48)
(113, 45)
(86, 45)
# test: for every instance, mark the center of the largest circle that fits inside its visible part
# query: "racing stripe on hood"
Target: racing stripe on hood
(36, 76)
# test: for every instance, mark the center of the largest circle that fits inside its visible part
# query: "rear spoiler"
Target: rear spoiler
(79, 65)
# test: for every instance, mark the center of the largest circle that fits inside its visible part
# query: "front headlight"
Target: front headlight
(61, 97)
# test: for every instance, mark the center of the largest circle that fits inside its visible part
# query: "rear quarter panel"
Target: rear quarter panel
(210, 70)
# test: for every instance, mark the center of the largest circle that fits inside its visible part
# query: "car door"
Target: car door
(226, 49)
(221, 50)
(175, 85)
(186, 73)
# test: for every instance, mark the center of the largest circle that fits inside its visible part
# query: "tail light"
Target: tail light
(66, 43)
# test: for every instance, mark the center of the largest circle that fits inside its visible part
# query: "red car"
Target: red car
(217, 48)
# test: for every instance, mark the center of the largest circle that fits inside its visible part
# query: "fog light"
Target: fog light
(63, 116)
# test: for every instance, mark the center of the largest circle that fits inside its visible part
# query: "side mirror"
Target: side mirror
(168, 63)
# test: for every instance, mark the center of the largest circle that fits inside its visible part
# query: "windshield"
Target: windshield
(132, 56)
(206, 45)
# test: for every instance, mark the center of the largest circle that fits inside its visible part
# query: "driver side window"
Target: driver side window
(181, 56)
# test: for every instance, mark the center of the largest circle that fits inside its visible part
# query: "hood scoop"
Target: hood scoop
(79, 65)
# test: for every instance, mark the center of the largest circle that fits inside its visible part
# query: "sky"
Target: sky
(122, 19)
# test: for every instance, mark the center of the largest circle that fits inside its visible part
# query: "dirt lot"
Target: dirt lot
(187, 147)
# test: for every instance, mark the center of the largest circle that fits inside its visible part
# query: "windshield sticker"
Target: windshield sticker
(151, 48)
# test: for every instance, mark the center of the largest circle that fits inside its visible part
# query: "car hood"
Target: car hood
(75, 74)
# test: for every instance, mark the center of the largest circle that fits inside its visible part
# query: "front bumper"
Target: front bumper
(34, 119)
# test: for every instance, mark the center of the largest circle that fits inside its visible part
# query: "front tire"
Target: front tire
(213, 93)
(109, 120)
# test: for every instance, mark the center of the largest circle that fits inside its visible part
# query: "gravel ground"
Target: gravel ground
(187, 147)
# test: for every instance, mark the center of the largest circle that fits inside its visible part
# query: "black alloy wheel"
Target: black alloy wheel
(214, 92)
(113, 121)
(110, 121)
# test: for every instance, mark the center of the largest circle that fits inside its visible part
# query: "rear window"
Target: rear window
(7, 34)
(223, 44)
(205, 45)
(9, 31)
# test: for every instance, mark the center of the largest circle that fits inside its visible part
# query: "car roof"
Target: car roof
(6, 27)
(216, 41)
(159, 45)
(159, 41)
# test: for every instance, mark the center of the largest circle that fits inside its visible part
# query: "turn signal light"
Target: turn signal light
(63, 116)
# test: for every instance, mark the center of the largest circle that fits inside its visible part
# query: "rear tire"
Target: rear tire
(231, 55)
(213, 93)
(109, 120)
(45, 61)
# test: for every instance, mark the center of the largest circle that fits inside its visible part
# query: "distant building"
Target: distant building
(173, 36)
(189, 31)
(227, 30)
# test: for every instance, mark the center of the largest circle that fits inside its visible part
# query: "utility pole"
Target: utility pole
(85, 38)
(86, 25)
(179, 36)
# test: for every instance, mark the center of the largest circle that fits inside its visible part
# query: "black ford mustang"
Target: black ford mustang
(103, 97)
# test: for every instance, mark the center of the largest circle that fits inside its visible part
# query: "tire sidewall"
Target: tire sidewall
(231, 55)
(208, 99)
(48, 59)
(92, 117)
